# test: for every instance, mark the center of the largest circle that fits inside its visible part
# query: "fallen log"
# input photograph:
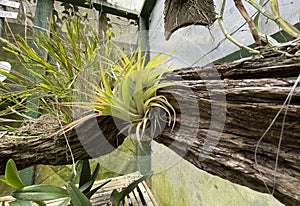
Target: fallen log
(255, 91)
(222, 140)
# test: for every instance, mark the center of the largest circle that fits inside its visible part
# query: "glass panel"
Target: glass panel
(130, 4)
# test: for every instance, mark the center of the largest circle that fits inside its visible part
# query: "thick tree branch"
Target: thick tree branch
(86, 142)
(255, 91)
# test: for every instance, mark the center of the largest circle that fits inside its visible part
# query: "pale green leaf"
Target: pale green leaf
(77, 197)
(20, 203)
(40, 193)
(11, 176)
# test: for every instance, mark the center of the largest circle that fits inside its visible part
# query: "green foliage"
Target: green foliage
(69, 55)
(85, 175)
(20, 203)
(78, 73)
(118, 197)
(82, 72)
(40, 193)
(134, 92)
(75, 196)
(87, 179)
(12, 177)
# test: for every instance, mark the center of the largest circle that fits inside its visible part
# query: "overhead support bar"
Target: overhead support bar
(115, 9)
(144, 19)
(106, 8)
(148, 7)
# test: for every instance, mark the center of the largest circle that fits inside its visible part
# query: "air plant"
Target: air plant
(128, 91)
(134, 94)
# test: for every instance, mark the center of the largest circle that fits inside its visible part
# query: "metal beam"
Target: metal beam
(106, 8)
(144, 35)
(115, 9)
(147, 7)
(2, 21)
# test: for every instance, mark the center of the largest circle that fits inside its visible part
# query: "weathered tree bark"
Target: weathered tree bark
(86, 141)
(255, 90)
(182, 13)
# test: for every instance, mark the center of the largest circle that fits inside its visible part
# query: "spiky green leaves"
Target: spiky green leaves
(81, 75)
(135, 91)
(39, 193)
(118, 197)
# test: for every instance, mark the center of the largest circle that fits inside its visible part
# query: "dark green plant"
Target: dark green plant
(117, 197)
(75, 196)
(87, 178)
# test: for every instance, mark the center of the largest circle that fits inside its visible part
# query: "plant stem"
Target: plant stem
(239, 5)
(227, 35)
